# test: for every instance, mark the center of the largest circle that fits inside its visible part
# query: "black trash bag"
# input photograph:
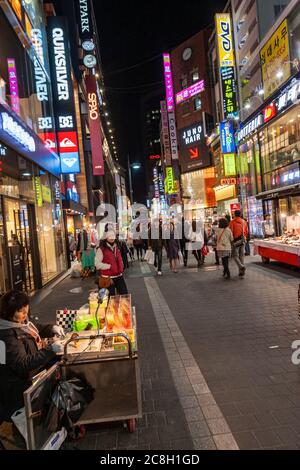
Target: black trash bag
(68, 402)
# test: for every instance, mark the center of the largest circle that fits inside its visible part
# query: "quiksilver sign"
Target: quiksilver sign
(63, 94)
(60, 64)
(39, 72)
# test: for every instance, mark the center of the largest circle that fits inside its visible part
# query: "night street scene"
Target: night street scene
(149, 230)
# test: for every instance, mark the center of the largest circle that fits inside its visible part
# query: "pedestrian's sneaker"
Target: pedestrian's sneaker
(159, 273)
(242, 272)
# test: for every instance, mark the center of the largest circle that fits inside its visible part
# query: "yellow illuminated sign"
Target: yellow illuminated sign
(46, 192)
(225, 40)
(275, 60)
(170, 185)
(38, 191)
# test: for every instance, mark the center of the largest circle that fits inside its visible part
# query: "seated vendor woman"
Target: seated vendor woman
(24, 350)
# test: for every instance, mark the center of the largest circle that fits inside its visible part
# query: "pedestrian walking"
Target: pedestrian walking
(173, 248)
(109, 262)
(184, 240)
(214, 240)
(196, 237)
(247, 245)
(224, 245)
(130, 246)
(157, 243)
(72, 246)
(239, 230)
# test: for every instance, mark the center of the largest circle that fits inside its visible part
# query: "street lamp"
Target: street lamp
(132, 166)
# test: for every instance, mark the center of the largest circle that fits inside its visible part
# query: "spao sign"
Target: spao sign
(93, 106)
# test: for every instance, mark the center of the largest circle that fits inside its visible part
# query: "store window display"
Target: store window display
(280, 143)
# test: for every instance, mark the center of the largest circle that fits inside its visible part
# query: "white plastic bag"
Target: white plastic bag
(151, 258)
(76, 269)
(19, 420)
(148, 255)
(180, 256)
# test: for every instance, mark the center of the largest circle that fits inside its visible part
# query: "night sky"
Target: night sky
(132, 32)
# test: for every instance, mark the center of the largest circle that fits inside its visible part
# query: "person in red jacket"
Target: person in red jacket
(110, 264)
(239, 228)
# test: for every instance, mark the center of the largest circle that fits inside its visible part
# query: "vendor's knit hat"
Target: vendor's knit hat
(110, 235)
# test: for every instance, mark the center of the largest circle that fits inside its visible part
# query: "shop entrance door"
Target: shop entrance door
(18, 230)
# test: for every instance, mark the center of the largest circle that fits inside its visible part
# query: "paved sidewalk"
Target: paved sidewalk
(215, 358)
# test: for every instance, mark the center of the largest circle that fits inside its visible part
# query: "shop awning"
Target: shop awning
(74, 207)
(280, 192)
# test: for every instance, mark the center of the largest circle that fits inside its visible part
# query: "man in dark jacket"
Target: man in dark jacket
(25, 351)
(157, 243)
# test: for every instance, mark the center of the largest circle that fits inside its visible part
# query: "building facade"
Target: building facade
(192, 91)
(32, 232)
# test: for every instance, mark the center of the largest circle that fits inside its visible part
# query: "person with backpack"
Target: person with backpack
(239, 229)
(224, 239)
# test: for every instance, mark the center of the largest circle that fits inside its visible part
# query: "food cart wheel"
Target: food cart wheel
(265, 260)
(77, 433)
(131, 425)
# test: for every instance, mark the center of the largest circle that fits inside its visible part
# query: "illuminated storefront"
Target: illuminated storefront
(32, 235)
(269, 160)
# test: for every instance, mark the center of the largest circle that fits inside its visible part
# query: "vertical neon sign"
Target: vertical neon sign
(169, 82)
(13, 85)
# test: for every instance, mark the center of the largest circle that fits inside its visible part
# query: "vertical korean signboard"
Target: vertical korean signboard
(63, 95)
(95, 126)
(275, 60)
(169, 82)
(13, 85)
(227, 64)
(165, 131)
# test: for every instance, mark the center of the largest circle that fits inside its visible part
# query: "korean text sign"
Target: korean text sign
(227, 137)
(275, 60)
(169, 82)
(229, 92)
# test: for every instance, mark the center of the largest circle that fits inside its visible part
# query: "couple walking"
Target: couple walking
(231, 240)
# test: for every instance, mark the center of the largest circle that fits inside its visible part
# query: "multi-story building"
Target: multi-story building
(93, 187)
(268, 140)
(192, 90)
(225, 112)
(150, 119)
(252, 19)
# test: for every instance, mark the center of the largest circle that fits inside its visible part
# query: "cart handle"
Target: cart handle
(76, 337)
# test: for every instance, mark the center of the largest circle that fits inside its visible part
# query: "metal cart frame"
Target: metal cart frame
(115, 378)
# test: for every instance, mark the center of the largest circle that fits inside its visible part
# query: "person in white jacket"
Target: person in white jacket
(224, 245)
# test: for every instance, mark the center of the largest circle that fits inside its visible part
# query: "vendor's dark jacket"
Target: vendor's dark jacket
(23, 361)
